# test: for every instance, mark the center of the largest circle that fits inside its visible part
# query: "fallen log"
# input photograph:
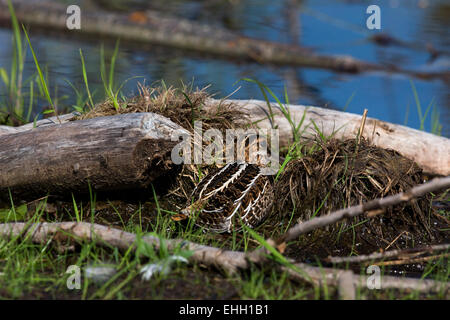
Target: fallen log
(430, 152)
(113, 153)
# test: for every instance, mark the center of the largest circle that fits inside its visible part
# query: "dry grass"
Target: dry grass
(339, 174)
(183, 106)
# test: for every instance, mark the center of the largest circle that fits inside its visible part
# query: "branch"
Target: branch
(412, 260)
(388, 254)
(229, 261)
(370, 206)
(332, 277)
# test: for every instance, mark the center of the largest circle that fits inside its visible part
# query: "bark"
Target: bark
(430, 152)
(229, 261)
(114, 153)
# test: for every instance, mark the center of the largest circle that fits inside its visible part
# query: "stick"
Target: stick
(388, 254)
(363, 123)
(434, 185)
(330, 277)
(346, 286)
(229, 261)
(413, 260)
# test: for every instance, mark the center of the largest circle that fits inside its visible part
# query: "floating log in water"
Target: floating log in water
(114, 153)
(152, 27)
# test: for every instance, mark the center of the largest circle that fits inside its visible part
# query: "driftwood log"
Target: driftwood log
(430, 152)
(114, 153)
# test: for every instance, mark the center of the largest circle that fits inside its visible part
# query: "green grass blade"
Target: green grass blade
(38, 68)
(112, 66)
(83, 65)
(416, 98)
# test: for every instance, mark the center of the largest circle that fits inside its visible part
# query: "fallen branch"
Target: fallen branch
(389, 254)
(411, 260)
(315, 223)
(331, 277)
(229, 261)
(346, 286)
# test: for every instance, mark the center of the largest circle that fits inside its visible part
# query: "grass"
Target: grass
(39, 270)
(30, 270)
(435, 125)
(14, 80)
(19, 104)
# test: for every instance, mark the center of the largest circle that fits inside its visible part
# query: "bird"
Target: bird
(238, 193)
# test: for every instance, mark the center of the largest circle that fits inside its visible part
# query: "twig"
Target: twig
(388, 254)
(346, 286)
(409, 261)
(227, 260)
(315, 223)
(396, 238)
(331, 277)
(361, 128)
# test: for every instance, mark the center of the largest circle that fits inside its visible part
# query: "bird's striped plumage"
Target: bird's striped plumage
(227, 197)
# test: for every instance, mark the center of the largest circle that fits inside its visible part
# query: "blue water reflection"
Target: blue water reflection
(330, 27)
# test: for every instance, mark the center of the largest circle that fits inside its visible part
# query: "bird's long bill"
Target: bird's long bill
(179, 217)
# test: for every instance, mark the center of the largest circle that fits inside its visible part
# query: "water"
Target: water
(330, 27)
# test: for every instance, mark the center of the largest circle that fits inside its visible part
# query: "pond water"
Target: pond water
(329, 27)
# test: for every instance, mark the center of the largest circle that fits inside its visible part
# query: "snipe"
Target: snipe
(230, 196)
